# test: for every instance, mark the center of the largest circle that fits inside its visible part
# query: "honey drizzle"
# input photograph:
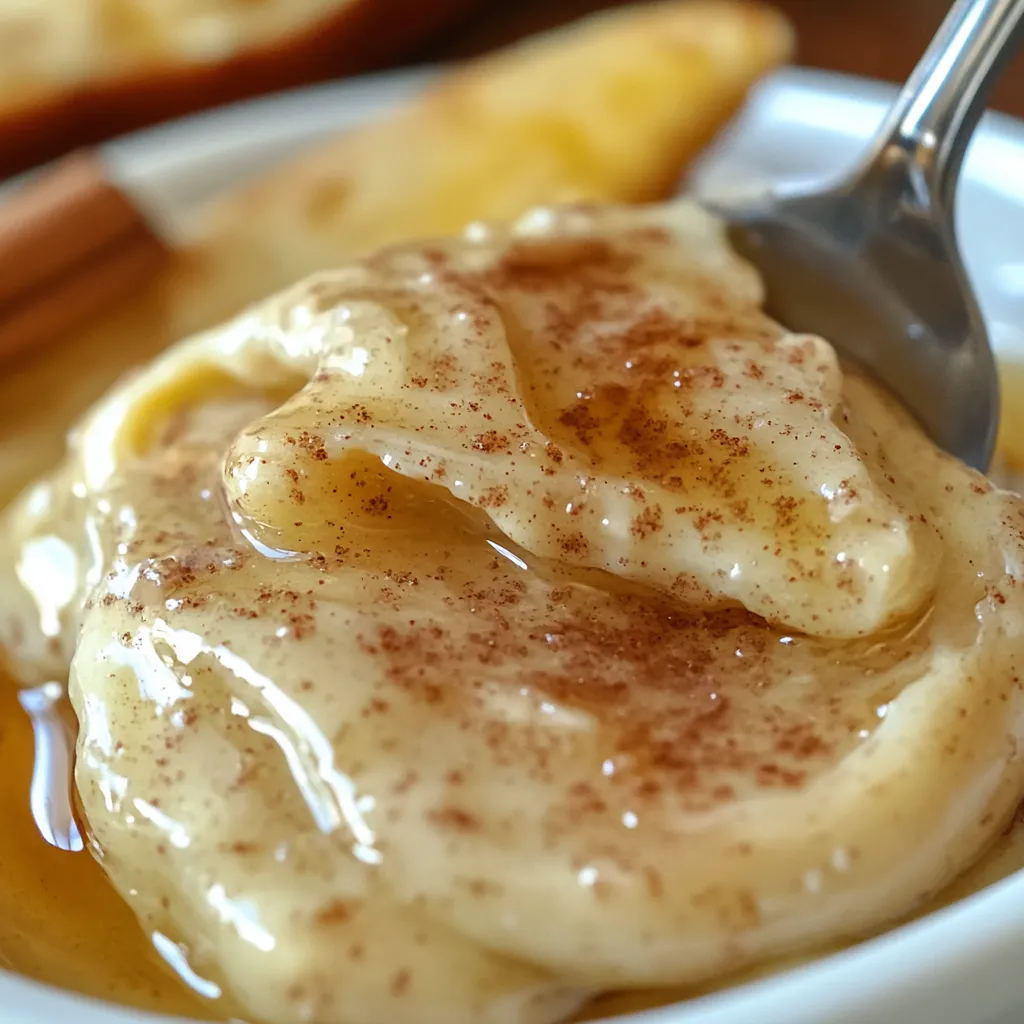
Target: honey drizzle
(50, 793)
(1010, 447)
(60, 920)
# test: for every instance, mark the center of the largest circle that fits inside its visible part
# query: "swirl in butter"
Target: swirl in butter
(516, 617)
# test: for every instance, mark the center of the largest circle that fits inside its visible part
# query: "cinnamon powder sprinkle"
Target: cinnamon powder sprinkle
(566, 617)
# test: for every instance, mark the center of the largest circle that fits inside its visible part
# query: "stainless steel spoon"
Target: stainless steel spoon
(871, 263)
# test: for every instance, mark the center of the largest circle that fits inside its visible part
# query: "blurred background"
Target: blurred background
(878, 38)
(75, 71)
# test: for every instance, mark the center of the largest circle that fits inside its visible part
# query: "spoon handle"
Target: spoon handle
(926, 132)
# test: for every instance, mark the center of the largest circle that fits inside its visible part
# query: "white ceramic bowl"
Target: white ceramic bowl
(959, 966)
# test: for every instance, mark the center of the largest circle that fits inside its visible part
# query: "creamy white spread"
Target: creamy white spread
(515, 617)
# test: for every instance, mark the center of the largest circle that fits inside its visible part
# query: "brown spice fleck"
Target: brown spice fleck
(494, 497)
(649, 521)
(655, 883)
(785, 511)
(454, 818)
(314, 444)
(335, 912)
(490, 441)
(575, 544)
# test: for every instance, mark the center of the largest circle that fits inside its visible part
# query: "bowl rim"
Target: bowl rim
(923, 970)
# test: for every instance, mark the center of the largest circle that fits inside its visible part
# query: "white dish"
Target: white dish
(959, 966)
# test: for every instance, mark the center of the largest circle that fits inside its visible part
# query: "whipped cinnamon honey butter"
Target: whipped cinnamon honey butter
(513, 618)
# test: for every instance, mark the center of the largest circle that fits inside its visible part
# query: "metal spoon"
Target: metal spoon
(871, 263)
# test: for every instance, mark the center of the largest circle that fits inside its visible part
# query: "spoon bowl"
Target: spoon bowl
(897, 303)
(871, 262)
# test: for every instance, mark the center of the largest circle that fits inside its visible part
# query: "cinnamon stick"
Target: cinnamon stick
(71, 245)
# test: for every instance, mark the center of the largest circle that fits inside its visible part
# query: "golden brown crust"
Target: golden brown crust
(361, 35)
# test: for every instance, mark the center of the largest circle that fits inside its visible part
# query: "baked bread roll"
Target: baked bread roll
(77, 71)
